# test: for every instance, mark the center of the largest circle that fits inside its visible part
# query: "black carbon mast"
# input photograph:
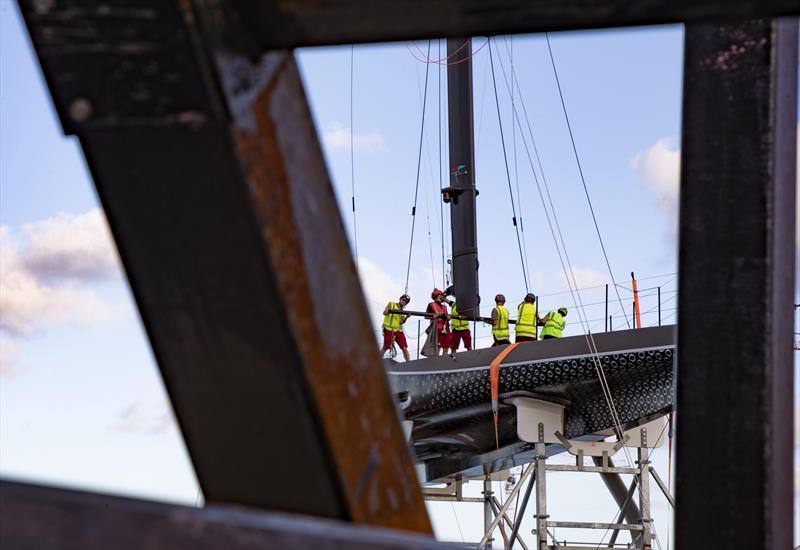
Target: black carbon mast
(462, 192)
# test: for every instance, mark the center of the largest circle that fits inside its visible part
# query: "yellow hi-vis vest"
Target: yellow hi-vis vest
(554, 325)
(457, 324)
(526, 320)
(500, 329)
(393, 322)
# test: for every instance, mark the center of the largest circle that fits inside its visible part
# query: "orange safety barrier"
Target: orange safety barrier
(638, 319)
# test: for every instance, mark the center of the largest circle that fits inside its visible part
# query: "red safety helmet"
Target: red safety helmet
(499, 298)
(436, 292)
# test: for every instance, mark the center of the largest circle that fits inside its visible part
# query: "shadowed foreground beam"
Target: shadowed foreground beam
(737, 246)
(292, 23)
(207, 164)
(46, 518)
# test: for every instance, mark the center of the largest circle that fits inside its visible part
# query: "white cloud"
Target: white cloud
(44, 274)
(337, 138)
(584, 277)
(145, 418)
(378, 287)
(69, 246)
(659, 168)
(9, 357)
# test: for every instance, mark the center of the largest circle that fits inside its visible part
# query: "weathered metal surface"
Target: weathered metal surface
(734, 379)
(463, 220)
(131, 64)
(53, 519)
(304, 235)
(291, 23)
(219, 201)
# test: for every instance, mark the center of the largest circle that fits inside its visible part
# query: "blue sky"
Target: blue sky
(81, 401)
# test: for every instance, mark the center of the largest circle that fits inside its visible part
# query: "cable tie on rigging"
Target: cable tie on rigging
(354, 204)
(413, 210)
(514, 220)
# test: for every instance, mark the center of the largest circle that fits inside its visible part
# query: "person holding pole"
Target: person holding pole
(393, 326)
(499, 322)
(439, 329)
(527, 320)
(459, 329)
(554, 324)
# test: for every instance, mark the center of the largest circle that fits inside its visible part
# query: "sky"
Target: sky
(81, 400)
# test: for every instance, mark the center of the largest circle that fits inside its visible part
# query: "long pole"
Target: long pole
(461, 193)
(521, 511)
(419, 331)
(606, 316)
(659, 306)
(489, 527)
(488, 524)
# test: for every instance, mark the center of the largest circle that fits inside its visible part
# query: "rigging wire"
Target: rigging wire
(482, 105)
(572, 283)
(580, 171)
(446, 57)
(445, 279)
(419, 165)
(430, 239)
(427, 58)
(427, 192)
(352, 161)
(428, 160)
(628, 497)
(516, 164)
(508, 173)
(584, 323)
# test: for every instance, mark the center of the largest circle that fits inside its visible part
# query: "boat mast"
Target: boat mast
(461, 193)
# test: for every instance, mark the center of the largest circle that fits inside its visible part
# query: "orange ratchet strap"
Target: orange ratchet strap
(494, 380)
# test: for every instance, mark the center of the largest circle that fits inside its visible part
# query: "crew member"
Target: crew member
(527, 320)
(439, 324)
(459, 329)
(499, 321)
(554, 324)
(393, 326)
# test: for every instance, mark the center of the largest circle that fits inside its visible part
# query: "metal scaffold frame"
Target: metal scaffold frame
(632, 517)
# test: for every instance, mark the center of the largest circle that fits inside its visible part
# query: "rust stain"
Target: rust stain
(323, 303)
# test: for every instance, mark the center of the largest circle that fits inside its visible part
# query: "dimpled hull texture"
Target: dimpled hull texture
(450, 403)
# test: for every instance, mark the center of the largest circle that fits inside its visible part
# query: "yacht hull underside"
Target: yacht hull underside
(448, 399)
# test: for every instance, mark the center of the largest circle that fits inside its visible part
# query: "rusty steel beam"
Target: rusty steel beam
(52, 519)
(737, 247)
(294, 23)
(206, 161)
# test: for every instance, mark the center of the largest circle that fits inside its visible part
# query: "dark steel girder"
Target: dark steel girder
(737, 247)
(294, 23)
(206, 161)
(52, 519)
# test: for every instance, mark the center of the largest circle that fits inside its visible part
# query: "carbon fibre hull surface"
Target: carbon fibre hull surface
(448, 398)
